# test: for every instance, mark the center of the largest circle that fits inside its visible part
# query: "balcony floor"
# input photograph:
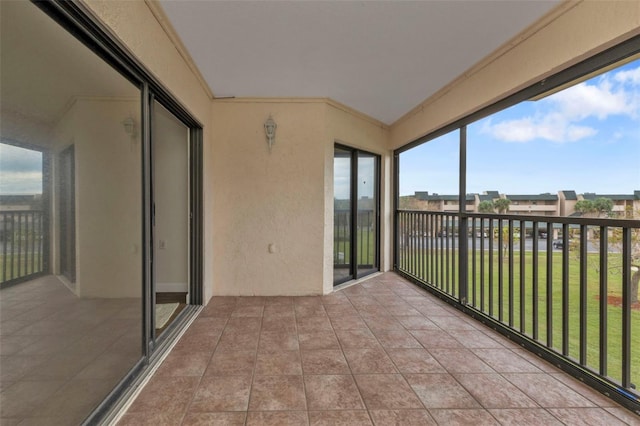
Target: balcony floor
(381, 352)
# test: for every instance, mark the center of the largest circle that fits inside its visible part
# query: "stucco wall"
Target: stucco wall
(572, 32)
(282, 198)
(267, 198)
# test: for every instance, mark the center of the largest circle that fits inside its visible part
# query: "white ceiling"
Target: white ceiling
(379, 57)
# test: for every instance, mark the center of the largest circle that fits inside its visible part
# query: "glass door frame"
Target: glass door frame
(353, 201)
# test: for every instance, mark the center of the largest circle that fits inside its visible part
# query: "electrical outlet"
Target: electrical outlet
(162, 244)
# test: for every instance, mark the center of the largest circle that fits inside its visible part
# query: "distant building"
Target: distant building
(561, 204)
(567, 201)
(540, 204)
(446, 203)
(15, 202)
(622, 203)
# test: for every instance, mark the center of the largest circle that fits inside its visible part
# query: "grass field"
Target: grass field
(366, 241)
(483, 286)
(26, 266)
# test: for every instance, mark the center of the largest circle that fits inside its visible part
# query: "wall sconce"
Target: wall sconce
(270, 131)
(129, 127)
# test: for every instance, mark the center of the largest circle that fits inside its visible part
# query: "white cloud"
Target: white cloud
(560, 116)
(20, 182)
(600, 100)
(628, 76)
(575, 133)
(551, 127)
(522, 130)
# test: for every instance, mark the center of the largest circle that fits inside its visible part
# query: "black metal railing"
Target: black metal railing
(567, 287)
(22, 244)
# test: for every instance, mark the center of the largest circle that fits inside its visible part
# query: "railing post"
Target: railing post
(626, 308)
(463, 246)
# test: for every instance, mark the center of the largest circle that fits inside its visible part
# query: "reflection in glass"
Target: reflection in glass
(342, 265)
(72, 321)
(21, 212)
(171, 207)
(367, 214)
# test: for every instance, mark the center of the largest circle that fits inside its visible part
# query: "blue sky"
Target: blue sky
(342, 177)
(585, 138)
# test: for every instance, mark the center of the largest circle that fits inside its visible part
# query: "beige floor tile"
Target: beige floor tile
(277, 418)
(332, 392)
(547, 391)
(339, 418)
(369, 361)
(524, 417)
(585, 416)
(441, 391)
(277, 393)
(460, 361)
(402, 418)
(386, 391)
(318, 339)
(460, 417)
(505, 361)
(207, 419)
(222, 393)
(324, 361)
(415, 361)
(225, 363)
(357, 339)
(493, 391)
(275, 341)
(168, 394)
(278, 363)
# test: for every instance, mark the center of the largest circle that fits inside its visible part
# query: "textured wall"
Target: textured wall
(268, 198)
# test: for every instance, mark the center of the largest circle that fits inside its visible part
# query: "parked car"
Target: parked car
(558, 244)
(543, 235)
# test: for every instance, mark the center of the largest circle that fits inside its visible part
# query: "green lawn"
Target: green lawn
(366, 241)
(614, 312)
(27, 266)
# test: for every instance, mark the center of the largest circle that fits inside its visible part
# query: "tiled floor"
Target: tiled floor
(381, 352)
(60, 356)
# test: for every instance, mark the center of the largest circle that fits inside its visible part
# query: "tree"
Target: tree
(486, 206)
(603, 206)
(615, 240)
(502, 205)
(505, 238)
(584, 206)
(615, 246)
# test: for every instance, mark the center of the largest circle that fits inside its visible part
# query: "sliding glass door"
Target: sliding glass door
(367, 214)
(100, 217)
(355, 214)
